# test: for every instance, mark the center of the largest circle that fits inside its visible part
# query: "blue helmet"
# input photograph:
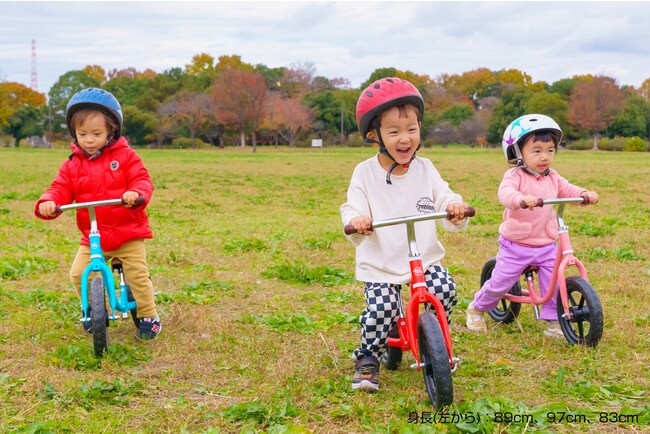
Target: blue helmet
(98, 99)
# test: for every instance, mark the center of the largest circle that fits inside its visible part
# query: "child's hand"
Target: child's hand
(457, 211)
(591, 196)
(129, 198)
(530, 201)
(47, 208)
(362, 224)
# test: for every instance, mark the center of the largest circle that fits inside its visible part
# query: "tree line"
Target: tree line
(227, 102)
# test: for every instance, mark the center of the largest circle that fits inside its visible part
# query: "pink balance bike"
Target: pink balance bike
(579, 310)
(424, 333)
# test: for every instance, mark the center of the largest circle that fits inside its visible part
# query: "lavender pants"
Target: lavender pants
(512, 259)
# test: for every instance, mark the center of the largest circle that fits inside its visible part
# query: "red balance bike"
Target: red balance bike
(425, 333)
(579, 310)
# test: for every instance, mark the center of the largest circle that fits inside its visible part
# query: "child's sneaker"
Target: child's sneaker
(475, 320)
(366, 374)
(149, 328)
(554, 330)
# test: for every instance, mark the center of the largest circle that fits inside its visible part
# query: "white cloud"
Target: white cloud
(547, 40)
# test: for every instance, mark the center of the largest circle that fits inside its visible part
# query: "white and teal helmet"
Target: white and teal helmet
(522, 127)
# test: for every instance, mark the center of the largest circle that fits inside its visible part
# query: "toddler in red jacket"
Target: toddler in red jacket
(103, 166)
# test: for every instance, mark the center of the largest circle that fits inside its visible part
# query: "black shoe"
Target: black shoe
(366, 374)
(149, 328)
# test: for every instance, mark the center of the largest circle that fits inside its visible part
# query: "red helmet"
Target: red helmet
(382, 95)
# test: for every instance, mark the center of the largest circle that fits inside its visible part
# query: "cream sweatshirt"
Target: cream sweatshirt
(383, 256)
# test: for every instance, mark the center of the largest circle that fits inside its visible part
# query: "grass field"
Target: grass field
(260, 309)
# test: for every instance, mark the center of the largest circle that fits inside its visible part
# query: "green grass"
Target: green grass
(260, 309)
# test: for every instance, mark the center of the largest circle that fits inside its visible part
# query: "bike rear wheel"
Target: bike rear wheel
(99, 316)
(392, 358)
(506, 311)
(586, 324)
(434, 360)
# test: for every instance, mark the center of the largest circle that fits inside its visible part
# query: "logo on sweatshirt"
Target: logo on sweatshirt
(115, 165)
(425, 205)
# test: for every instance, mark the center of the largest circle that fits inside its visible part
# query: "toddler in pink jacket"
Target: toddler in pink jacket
(527, 235)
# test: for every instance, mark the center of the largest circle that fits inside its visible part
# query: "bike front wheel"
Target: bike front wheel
(506, 311)
(434, 360)
(586, 324)
(99, 316)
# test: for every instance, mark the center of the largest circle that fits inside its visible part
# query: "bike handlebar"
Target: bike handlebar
(60, 208)
(584, 200)
(349, 229)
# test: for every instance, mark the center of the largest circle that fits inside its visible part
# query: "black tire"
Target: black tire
(134, 311)
(99, 316)
(392, 358)
(506, 311)
(586, 324)
(435, 362)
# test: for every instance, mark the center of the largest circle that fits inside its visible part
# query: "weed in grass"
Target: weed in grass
(323, 242)
(13, 268)
(626, 254)
(239, 245)
(254, 411)
(592, 230)
(74, 356)
(301, 273)
(206, 292)
(340, 297)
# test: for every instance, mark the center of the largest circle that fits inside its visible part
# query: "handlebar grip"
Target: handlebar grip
(471, 212)
(139, 201)
(349, 230)
(540, 203)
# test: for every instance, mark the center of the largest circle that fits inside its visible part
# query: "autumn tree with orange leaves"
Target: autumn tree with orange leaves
(287, 117)
(239, 100)
(594, 104)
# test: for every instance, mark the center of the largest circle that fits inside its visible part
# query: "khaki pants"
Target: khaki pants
(134, 261)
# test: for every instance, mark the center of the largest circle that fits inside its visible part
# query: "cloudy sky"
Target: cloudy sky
(547, 40)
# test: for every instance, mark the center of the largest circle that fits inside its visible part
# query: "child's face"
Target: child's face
(538, 155)
(400, 133)
(93, 133)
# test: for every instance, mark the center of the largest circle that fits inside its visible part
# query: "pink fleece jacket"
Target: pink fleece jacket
(538, 226)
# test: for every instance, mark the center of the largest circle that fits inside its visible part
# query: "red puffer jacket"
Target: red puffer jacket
(117, 170)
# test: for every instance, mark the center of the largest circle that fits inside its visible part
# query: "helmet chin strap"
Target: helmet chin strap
(384, 151)
(97, 154)
(524, 166)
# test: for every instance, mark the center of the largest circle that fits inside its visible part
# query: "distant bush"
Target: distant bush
(354, 140)
(580, 145)
(186, 142)
(636, 144)
(615, 144)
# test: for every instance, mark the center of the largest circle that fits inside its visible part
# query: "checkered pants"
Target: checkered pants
(383, 308)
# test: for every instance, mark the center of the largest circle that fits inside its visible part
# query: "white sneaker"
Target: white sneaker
(475, 320)
(554, 330)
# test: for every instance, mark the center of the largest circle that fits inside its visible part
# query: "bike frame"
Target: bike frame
(98, 264)
(564, 258)
(407, 320)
